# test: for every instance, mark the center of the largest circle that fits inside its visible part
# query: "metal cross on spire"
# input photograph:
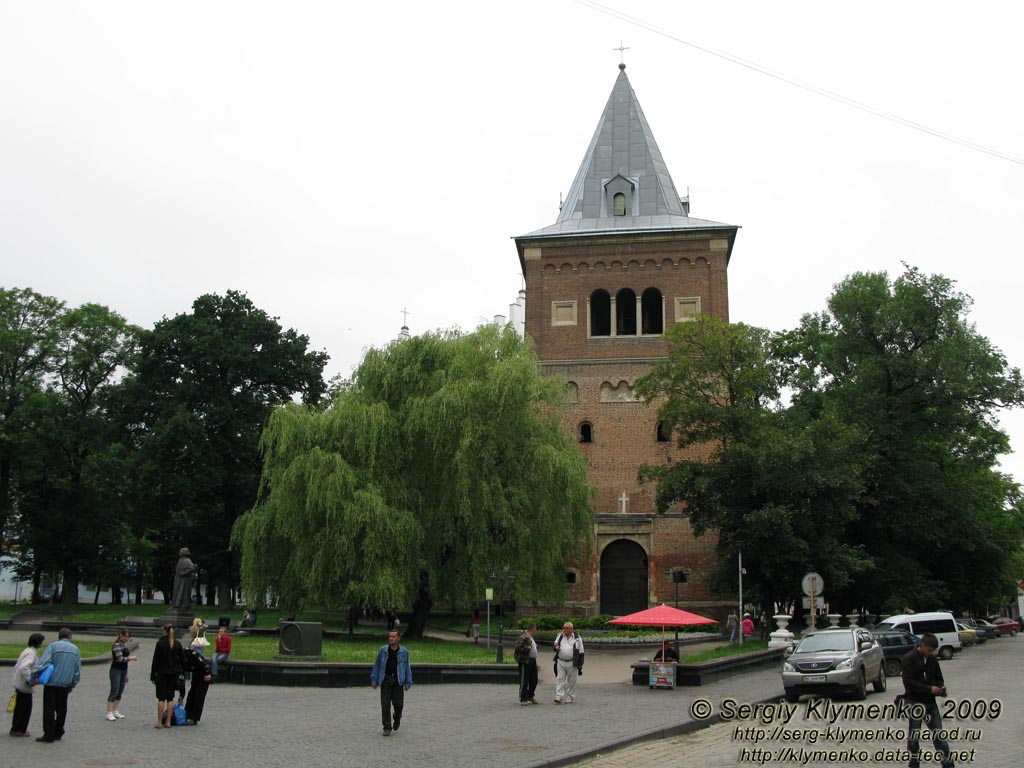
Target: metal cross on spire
(620, 49)
(405, 316)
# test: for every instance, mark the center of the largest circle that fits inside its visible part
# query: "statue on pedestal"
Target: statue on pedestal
(181, 596)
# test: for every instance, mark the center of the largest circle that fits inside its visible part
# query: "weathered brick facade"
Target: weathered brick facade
(685, 261)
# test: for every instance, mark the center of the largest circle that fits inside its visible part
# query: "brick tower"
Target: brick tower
(621, 264)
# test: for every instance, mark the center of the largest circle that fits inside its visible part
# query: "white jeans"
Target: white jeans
(565, 681)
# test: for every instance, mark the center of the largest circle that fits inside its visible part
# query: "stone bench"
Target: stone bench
(338, 675)
(705, 672)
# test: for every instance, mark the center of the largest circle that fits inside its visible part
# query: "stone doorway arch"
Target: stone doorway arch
(623, 578)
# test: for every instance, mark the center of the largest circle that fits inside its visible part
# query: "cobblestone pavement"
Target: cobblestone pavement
(473, 725)
(444, 725)
(976, 678)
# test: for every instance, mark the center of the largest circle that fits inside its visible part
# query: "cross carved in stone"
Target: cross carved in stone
(624, 502)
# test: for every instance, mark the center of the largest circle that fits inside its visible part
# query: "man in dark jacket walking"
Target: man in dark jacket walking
(922, 681)
(526, 656)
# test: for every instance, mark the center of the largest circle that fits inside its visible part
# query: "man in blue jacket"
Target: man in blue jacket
(393, 675)
(67, 671)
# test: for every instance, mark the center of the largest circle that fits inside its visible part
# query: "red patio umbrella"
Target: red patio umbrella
(663, 616)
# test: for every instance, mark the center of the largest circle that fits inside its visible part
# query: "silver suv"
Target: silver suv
(842, 659)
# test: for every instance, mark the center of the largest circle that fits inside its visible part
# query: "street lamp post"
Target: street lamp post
(505, 574)
(678, 577)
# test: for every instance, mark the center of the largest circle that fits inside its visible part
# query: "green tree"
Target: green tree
(69, 479)
(28, 338)
(204, 386)
(443, 461)
(899, 361)
(766, 480)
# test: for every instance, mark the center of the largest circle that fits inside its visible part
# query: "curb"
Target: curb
(655, 734)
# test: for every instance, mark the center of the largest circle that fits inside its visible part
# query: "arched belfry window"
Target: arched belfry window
(586, 432)
(653, 312)
(619, 204)
(600, 313)
(662, 432)
(625, 312)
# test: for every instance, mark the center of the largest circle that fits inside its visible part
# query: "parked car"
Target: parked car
(968, 636)
(990, 629)
(938, 623)
(834, 660)
(981, 632)
(895, 645)
(1006, 626)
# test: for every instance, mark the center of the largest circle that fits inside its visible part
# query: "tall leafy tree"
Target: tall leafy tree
(443, 461)
(70, 477)
(900, 361)
(205, 383)
(28, 341)
(766, 481)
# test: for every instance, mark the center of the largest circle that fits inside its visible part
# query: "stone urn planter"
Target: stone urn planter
(782, 637)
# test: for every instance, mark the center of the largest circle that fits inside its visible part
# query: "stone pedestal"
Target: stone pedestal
(833, 619)
(853, 618)
(180, 618)
(782, 637)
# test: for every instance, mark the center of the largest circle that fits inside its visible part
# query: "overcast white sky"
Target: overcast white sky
(340, 161)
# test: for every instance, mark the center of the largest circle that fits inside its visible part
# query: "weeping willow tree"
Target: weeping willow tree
(443, 462)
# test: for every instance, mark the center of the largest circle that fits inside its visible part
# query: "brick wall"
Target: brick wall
(603, 371)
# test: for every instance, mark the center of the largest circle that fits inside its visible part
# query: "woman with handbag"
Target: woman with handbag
(118, 674)
(23, 685)
(199, 642)
(164, 673)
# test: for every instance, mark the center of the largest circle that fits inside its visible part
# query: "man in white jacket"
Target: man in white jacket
(568, 664)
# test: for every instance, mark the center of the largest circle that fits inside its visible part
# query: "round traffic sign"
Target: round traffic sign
(813, 582)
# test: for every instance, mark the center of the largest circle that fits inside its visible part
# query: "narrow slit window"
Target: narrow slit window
(600, 313)
(652, 308)
(625, 311)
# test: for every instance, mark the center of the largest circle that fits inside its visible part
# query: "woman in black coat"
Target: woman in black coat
(197, 664)
(164, 672)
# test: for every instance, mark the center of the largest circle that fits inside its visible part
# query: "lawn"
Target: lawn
(732, 649)
(336, 621)
(87, 649)
(426, 650)
(105, 613)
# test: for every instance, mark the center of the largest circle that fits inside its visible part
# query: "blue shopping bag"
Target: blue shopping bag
(45, 675)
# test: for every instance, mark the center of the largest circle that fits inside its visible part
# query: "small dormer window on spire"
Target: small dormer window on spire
(619, 196)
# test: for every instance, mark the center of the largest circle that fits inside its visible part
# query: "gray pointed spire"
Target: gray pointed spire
(623, 145)
(623, 183)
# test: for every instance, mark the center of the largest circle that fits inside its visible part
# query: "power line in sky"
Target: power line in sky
(642, 24)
